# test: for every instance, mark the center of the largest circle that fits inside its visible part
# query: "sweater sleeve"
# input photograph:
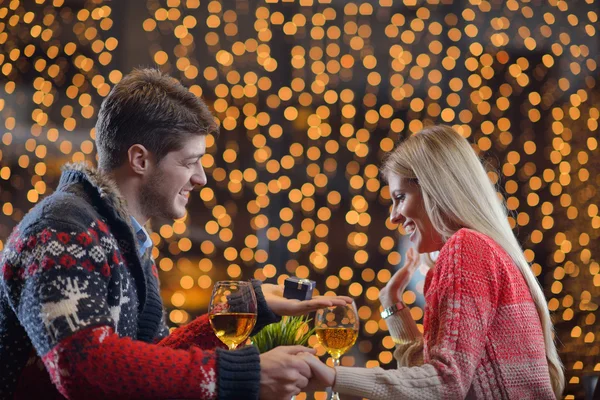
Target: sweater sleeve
(265, 315)
(56, 283)
(199, 332)
(407, 337)
(96, 364)
(461, 302)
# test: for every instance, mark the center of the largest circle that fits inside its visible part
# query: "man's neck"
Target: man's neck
(129, 189)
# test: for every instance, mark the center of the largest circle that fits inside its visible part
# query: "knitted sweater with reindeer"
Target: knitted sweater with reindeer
(81, 314)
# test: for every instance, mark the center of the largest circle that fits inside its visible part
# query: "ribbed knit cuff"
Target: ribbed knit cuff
(238, 373)
(265, 315)
(402, 327)
(355, 381)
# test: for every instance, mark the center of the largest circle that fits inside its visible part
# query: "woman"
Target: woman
(487, 328)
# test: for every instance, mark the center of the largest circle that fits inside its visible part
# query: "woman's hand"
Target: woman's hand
(283, 373)
(392, 292)
(292, 307)
(322, 375)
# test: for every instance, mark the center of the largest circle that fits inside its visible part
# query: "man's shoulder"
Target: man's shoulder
(55, 211)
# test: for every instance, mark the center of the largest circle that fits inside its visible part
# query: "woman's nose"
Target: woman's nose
(396, 217)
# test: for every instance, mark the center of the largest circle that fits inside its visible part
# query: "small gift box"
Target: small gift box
(299, 289)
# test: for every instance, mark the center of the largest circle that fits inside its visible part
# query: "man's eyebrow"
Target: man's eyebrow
(194, 156)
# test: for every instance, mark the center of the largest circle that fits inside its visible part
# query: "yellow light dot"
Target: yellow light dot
(5, 173)
(185, 244)
(176, 316)
(24, 161)
(385, 357)
(234, 271)
(186, 282)
(355, 289)
(178, 299)
(346, 273)
(371, 327)
(166, 264)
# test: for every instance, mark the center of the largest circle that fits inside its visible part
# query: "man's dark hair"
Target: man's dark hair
(152, 109)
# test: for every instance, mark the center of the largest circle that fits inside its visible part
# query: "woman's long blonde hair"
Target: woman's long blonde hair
(458, 193)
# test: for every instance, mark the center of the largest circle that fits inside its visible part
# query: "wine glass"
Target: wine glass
(337, 330)
(232, 311)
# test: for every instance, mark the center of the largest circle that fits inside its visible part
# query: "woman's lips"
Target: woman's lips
(410, 229)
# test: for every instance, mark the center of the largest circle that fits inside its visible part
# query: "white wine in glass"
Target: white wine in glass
(337, 341)
(232, 312)
(337, 329)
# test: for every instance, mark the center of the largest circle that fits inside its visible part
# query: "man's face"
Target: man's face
(167, 188)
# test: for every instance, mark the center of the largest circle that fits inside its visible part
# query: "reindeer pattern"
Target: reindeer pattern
(65, 308)
(115, 311)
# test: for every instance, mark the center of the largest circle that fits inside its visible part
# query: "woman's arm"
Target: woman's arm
(462, 300)
(408, 338)
(402, 327)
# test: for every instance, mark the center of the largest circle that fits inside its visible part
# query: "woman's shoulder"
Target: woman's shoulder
(473, 251)
(466, 239)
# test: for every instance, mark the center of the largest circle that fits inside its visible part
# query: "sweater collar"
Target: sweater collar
(106, 188)
(103, 193)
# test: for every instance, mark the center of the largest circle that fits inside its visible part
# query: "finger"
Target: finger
(320, 371)
(302, 382)
(414, 266)
(340, 302)
(412, 255)
(345, 299)
(412, 258)
(311, 360)
(302, 367)
(327, 301)
(315, 304)
(292, 390)
(278, 289)
(296, 349)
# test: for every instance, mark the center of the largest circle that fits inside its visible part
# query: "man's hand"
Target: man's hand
(322, 375)
(292, 307)
(392, 292)
(283, 374)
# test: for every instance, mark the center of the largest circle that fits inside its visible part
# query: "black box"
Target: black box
(299, 289)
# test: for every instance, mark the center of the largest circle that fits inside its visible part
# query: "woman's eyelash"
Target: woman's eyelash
(399, 197)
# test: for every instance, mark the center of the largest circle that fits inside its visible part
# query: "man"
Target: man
(80, 307)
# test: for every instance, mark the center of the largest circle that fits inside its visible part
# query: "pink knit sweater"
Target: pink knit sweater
(483, 338)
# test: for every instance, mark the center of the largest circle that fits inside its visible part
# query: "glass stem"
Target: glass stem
(335, 395)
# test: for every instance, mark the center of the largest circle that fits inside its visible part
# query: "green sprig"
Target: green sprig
(289, 331)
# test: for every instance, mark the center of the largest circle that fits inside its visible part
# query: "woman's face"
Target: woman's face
(408, 209)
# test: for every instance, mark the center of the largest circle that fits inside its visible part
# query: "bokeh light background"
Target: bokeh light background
(310, 95)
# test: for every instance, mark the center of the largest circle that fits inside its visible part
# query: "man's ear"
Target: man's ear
(139, 159)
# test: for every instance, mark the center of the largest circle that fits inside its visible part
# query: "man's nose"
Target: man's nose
(199, 178)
